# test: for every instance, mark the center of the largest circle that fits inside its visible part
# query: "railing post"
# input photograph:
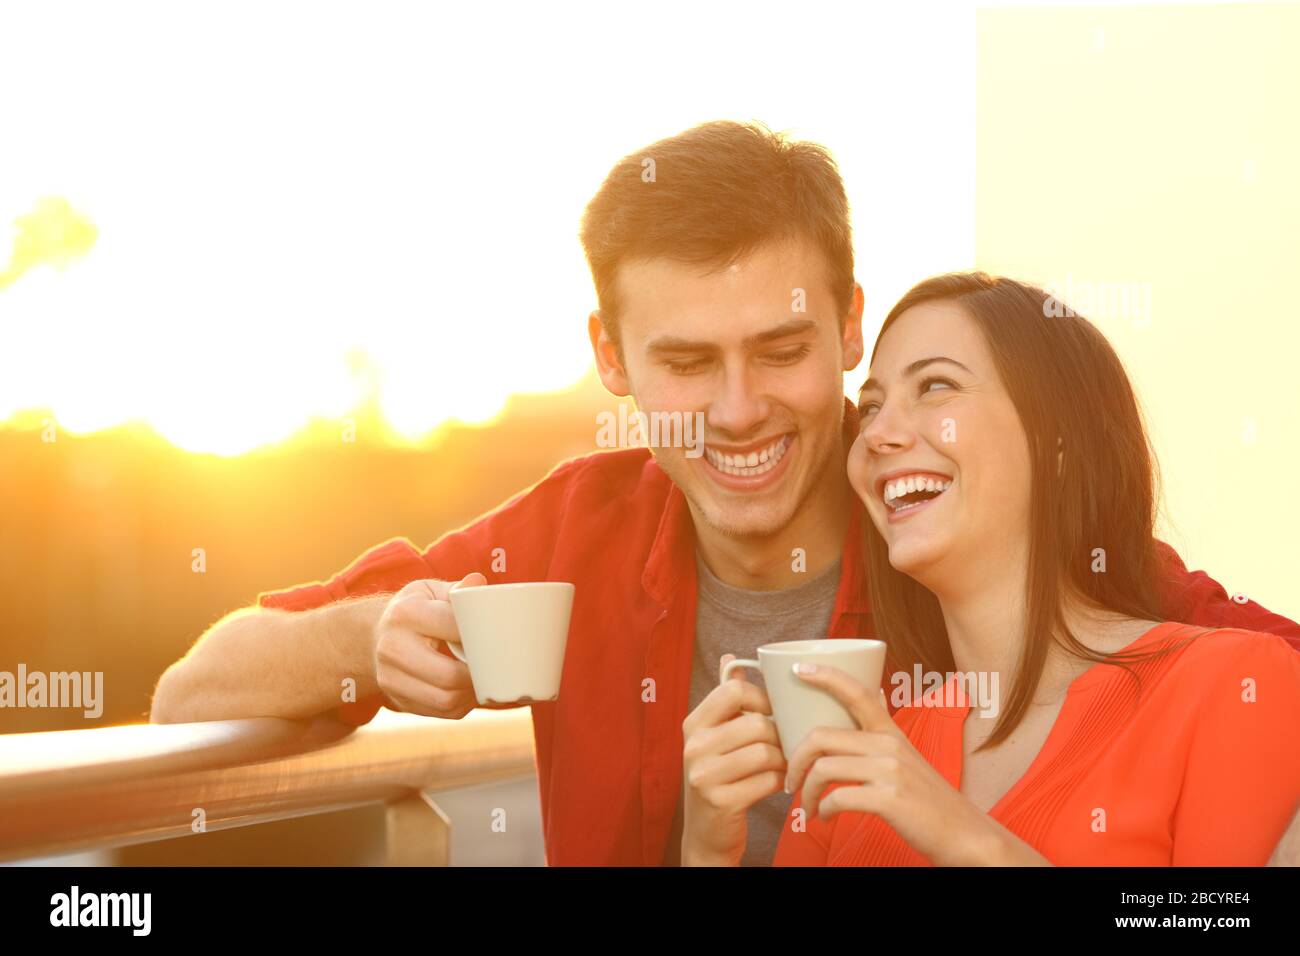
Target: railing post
(418, 832)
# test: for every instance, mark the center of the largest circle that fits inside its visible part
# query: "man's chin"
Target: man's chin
(747, 526)
(746, 519)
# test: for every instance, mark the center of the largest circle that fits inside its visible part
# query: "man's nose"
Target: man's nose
(739, 408)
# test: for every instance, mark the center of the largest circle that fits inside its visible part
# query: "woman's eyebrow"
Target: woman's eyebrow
(922, 363)
(874, 384)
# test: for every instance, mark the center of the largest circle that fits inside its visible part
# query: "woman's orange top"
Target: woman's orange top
(1202, 768)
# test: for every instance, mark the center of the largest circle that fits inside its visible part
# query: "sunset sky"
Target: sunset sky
(226, 228)
(398, 211)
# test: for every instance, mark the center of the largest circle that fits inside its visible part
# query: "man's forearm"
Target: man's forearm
(269, 663)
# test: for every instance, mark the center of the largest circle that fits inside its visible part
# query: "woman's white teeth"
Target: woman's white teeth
(924, 487)
(753, 463)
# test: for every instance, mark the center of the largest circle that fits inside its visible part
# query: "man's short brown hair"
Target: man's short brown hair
(712, 195)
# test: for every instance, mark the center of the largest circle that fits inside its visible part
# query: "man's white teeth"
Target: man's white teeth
(754, 463)
(926, 484)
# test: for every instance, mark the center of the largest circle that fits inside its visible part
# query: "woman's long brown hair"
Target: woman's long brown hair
(1074, 400)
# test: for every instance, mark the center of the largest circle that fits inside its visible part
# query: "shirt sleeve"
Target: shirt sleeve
(1193, 597)
(514, 542)
(1242, 778)
(388, 567)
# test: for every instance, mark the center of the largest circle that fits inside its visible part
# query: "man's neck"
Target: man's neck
(772, 563)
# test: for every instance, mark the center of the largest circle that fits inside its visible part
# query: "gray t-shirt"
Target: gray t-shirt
(736, 621)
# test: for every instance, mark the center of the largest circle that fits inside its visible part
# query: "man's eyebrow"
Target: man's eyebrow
(674, 343)
(785, 329)
(874, 384)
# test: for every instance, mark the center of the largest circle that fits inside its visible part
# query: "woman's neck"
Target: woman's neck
(986, 625)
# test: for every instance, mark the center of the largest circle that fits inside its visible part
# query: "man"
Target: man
(723, 266)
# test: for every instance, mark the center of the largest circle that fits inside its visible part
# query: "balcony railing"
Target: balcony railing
(91, 789)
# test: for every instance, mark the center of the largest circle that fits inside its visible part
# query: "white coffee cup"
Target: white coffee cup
(513, 638)
(797, 706)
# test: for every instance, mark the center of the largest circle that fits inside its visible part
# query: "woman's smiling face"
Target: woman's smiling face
(941, 461)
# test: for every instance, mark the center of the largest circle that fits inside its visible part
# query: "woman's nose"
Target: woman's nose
(889, 430)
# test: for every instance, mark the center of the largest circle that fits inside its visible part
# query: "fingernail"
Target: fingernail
(787, 785)
(803, 667)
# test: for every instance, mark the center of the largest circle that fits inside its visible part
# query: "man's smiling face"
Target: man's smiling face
(768, 379)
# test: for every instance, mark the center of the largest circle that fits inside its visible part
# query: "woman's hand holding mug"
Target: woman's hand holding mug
(879, 771)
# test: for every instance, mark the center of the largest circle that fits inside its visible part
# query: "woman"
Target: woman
(1004, 466)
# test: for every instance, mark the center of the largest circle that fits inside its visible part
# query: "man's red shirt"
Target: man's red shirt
(609, 749)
